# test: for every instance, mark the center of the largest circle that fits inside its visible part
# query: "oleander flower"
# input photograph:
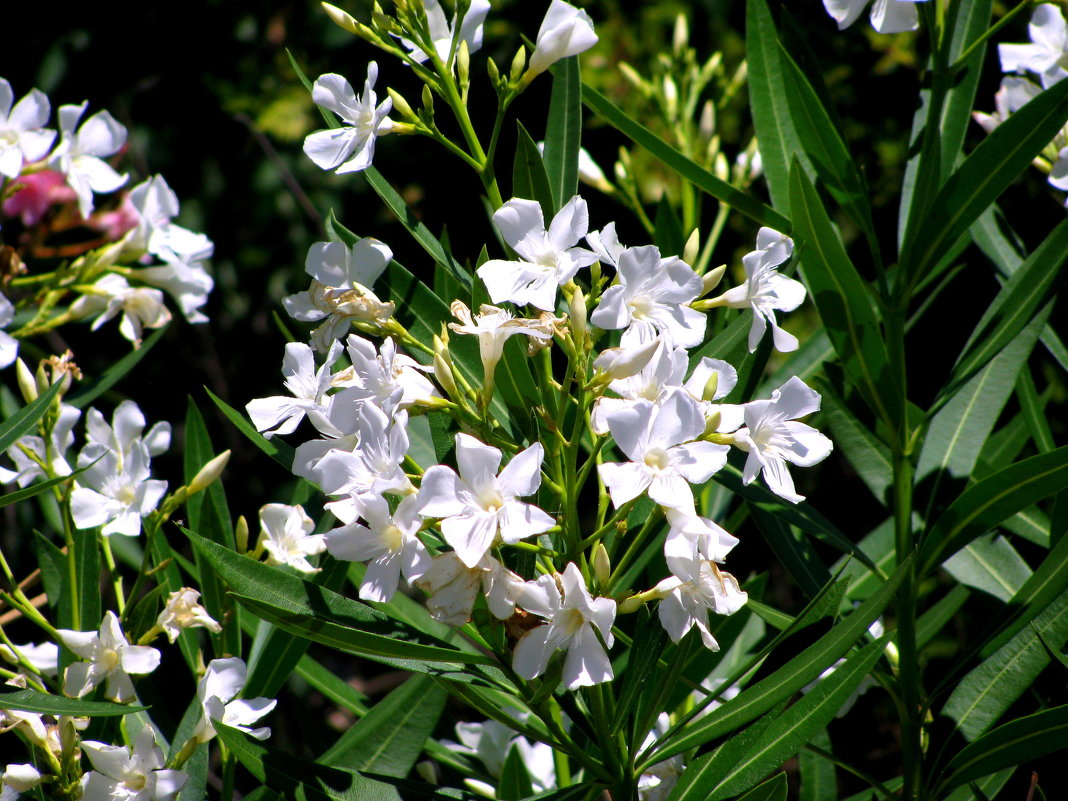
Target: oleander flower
(23, 137)
(141, 307)
(453, 587)
(351, 147)
(696, 588)
(887, 16)
(573, 615)
(217, 692)
(565, 31)
(109, 657)
(1047, 54)
(286, 535)
(80, 154)
(478, 507)
(184, 611)
(443, 33)
(130, 774)
(548, 258)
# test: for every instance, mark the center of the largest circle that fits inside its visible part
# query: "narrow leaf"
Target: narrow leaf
(22, 421)
(45, 704)
(563, 130)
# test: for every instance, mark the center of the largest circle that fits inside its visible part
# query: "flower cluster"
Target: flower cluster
(117, 261)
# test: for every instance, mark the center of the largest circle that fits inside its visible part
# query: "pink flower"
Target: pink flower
(40, 191)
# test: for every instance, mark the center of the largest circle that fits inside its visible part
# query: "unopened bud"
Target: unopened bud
(401, 106)
(711, 279)
(379, 20)
(721, 168)
(681, 36)
(671, 97)
(340, 18)
(707, 124)
(40, 378)
(209, 473)
(241, 534)
(428, 104)
(632, 604)
(692, 249)
(463, 64)
(602, 565)
(631, 76)
(493, 72)
(712, 422)
(577, 310)
(519, 63)
(709, 391)
(26, 382)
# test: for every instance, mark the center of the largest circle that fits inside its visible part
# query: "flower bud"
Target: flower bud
(602, 565)
(565, 31)
(707, 124)
(632, 604)
(26, 382)
(427, 112)
(20, 778)
(241, 534)
(493, 72)
(631, 76)
(692, 249)
(617, 363)
(209, 473)
(709, 391)
(401, 106)
(671, 98)
(463, 65)
(340, 18)
(577, 310)
(443, 369)
(721, 168)
(519, 63)
(681, 36)
(711, 279)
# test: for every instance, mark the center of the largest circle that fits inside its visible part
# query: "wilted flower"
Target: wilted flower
(141, 307)
(453, 586)
(183, 611)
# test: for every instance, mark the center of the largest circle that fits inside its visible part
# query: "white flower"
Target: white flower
(340, 290)
(696, 588)
(549, 258)
(141, 307)
(623, 362)
(393, 380)
(691, 536)
(123, 436)
(44, 657)
(351, 147)
(286, 535)
(887, 16)
(650, 296)
(565, 31)
(217, 691)
(80, 154)
(388, 543)
(23, 137)
(452, 587)
(479, 507)
(772, 438)
(9, 346)
(183, 276)
(1047, 55)
(766, 289)
(109, 657)
(573, 615)
(656, 783)
(26, 469)
(652, 436)
(374, 467)
(183, 611)
(442, 32)
(308, 386)
(1013, 94)
(19, 779)
(115, 496)
(29, 724)
(130, 774)
(491, 742)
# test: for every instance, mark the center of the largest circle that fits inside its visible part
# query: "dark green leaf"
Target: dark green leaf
(22, 421)
(563, 130)
(514, 784)
(45, 704)
(529, 179)
(774, 789)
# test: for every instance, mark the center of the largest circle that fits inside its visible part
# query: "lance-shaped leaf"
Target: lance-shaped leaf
(45, 704)
(983, 176)
(784, 682)
(279, 451)
(842, 298)
(322, 615)
(22, 421)
(688, 169)
(563, 130)
(987, 503)
(529, 179)
(1009, 745)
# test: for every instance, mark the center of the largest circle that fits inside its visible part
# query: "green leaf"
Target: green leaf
(88, 393)
(279, 451)
(818, 781)
(958, 432)
(529, 179)
(987, 503)
(22, 421)
(563, 130)
(38, 488)
(769, 104)
(774, 789)
(389, 739)
(865, 452)
(842, 298)
(322, 615)
(794, 727)
(1017, 304)
(1012, 744)
(86, 558)
(514, 783)
(45, 704)
(784, 682)
(998, 160)
(990, 689)
(672, 158)
(297, 778)
(990, 564)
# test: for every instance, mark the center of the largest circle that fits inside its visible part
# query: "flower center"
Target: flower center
(126, 495)
(392, 538)
(572, 620)
(109, 659)
(641, 307)
(657, 458)
(8, 138)
(135, 782)
(490, 499)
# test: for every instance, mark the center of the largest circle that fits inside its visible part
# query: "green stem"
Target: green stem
(636, 546)
(116, 577)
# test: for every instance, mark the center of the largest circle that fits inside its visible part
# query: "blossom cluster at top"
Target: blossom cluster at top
(128, 254)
